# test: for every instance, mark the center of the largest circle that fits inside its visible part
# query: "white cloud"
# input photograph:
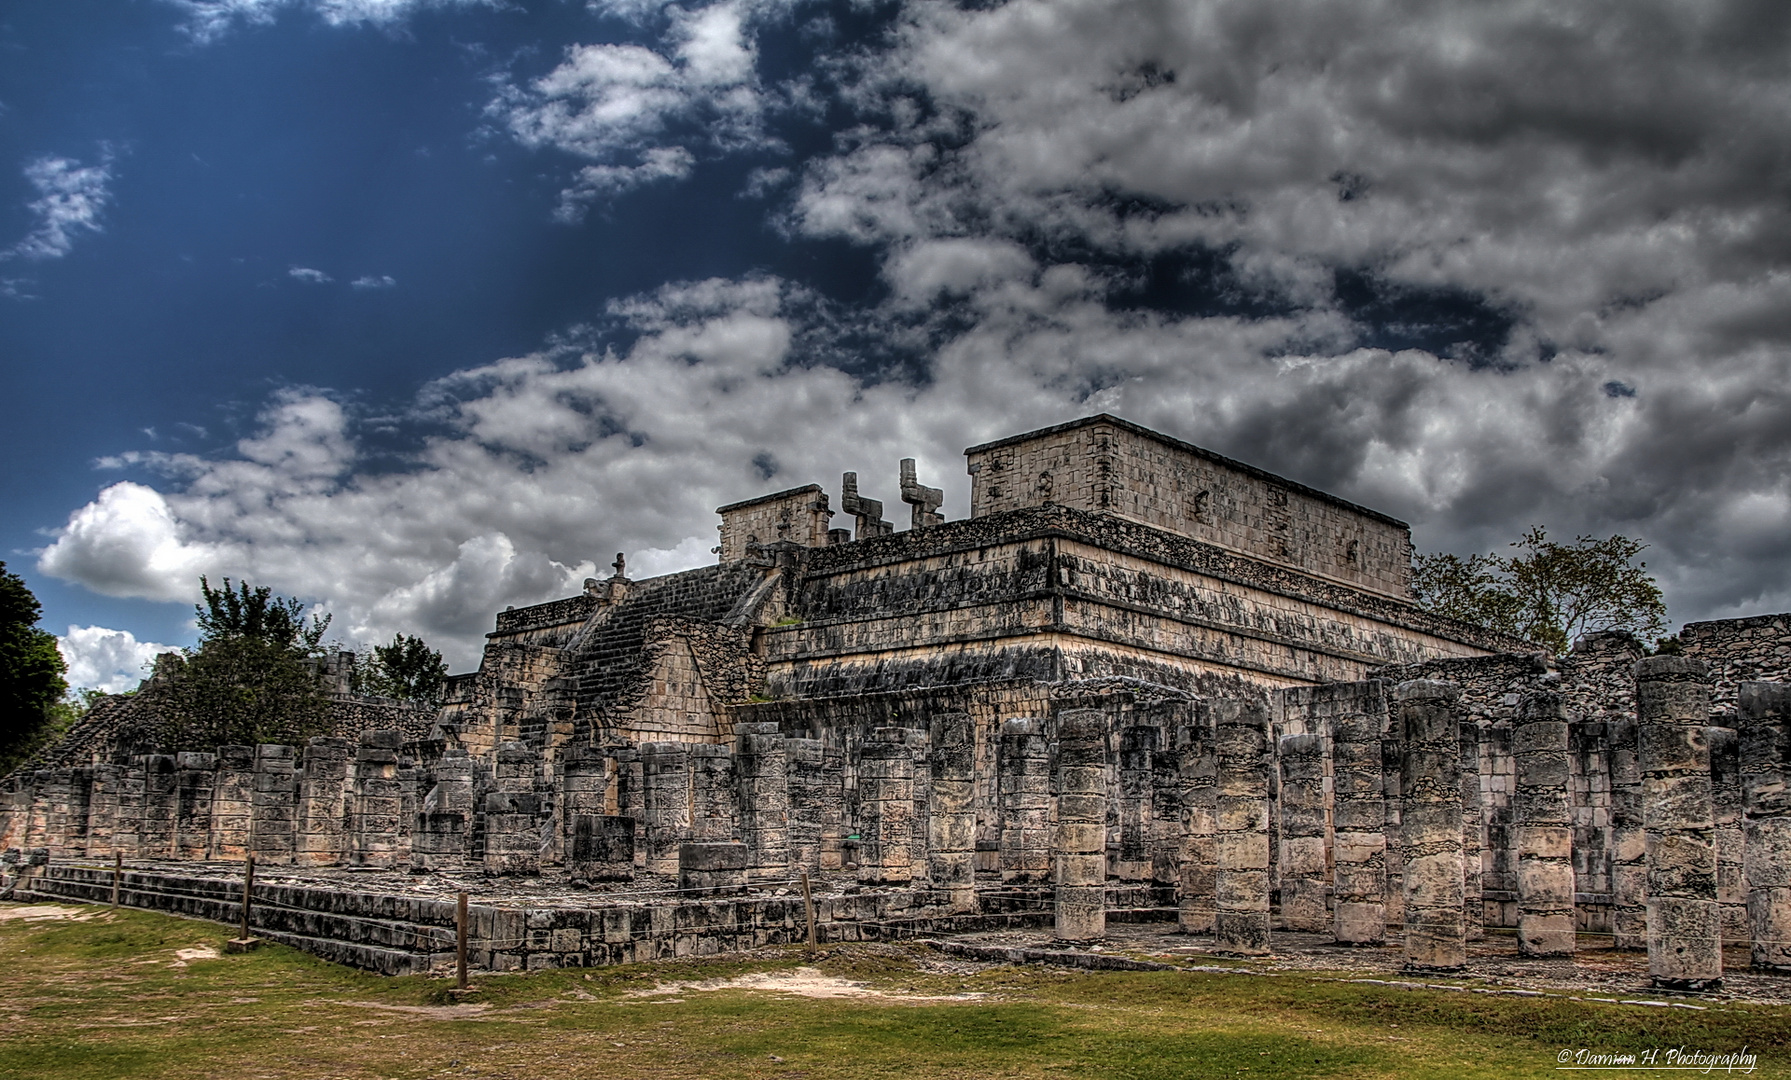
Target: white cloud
(597, 182)
(70, 199)
(308, 275)
(370, 281)
(208, 20)
(109, 660)
(643, 114)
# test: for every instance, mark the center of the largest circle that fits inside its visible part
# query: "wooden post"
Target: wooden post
(460, 941)
(808, 904)
(117, 875)
(248, 884)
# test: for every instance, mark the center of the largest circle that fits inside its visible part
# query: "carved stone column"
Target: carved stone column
(1684, 922)
(1430, 785)
(1079, 847)
(1241, 824)
(1543, 823)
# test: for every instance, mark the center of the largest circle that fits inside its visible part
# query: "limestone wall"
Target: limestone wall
(1108, 465)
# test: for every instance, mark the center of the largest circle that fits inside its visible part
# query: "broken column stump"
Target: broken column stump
(712, 869)
(602, 848)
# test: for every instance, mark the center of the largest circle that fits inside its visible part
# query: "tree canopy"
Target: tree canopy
(407, 669)
(257, 613)
(1547, 592)
(31, 672)
(247, 681)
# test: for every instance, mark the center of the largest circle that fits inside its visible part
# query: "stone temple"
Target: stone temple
(1139, 679)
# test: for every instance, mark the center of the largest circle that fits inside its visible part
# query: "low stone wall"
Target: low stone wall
(397, 934)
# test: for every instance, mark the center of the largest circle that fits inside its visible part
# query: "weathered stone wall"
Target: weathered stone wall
(1108, 465)
(1740, 650)
(797, 516)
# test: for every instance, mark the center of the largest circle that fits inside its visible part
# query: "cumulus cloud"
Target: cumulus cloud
(208, 20)
(643, 113)
(308, 275)
(109, 660)
(70, 199)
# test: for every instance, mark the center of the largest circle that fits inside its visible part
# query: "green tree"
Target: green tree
(1547, 592)
(31, 673)
(257, 613)
(247, 681)
(407, 669)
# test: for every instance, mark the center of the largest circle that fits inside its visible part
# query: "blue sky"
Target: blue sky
(417, 309)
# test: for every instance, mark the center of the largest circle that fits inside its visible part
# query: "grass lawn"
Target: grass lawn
(103, 994)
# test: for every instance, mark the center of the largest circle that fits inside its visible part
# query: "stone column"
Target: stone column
(833, 807)
(951, 813)
(665, 775)
(1473, 823)
(377, 803)
(807, 783)
(1684, 923)
(1629, 849)
(440, 833)
(128, 827)
(714, 798)
(1358, 828)
(513, 813)
(886, 808)
(1543, 825)
(1725, 806)
(1302, 860)
(323, 803)
(1766, 779)
(1200, 801)
(584, 791)
(763, 764)
(1136, 746)
(70, 791)
(155, 836)
(275, 804)
(102, 809)
(1079, 846)
(1168, 824)
(195, 778)
(1241, 828)
(232, 803)
(1023, 776)
(601, 847)
(1430, 785)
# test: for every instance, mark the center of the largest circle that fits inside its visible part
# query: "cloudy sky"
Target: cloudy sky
(417, 308)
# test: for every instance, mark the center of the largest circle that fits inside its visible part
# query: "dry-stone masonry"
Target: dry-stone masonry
(1139, 680)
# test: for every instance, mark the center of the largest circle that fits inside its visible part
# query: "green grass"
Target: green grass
(103, 998)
